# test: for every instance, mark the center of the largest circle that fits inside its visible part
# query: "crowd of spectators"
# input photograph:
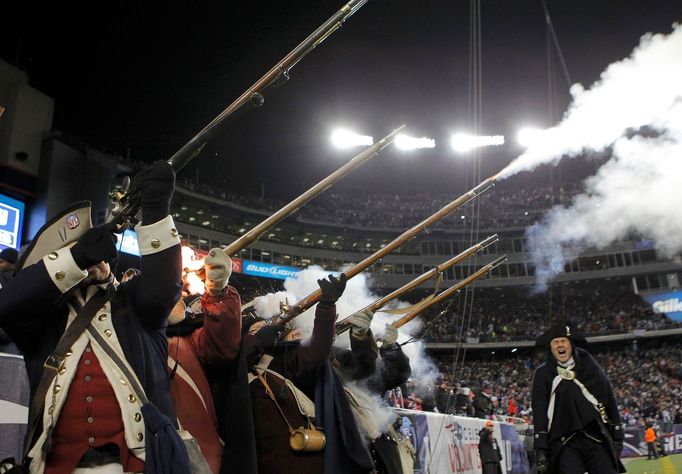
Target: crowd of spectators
(498, 208)
(646, 378)
(517, 315)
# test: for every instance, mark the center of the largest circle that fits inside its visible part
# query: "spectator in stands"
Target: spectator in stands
(577, 424)
(483, 403)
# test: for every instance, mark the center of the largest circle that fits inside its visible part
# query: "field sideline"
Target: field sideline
(666, 465)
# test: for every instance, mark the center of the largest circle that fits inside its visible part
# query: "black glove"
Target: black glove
(156, 183)
(542, 462)
(268, 335)
(332, 288)
(96, 245)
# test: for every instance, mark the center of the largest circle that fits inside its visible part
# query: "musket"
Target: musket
(126, 204)
(343, 325)
(307, 302)
(255, 233)
(449, 292)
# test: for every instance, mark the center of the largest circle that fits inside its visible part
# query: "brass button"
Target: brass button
(174, 232)
(50, 410)
(156, 243)
(59, 275)
(88, 349)
(91, 440)
(137, 417)
(132, 398)
(62, 371)
(212, 253)
(108, 332)
(88, 399)
(53, 255)
(140, 436)
(57, 388)
(91, 419)
(124, 382)
(88, 378)
(102, 317)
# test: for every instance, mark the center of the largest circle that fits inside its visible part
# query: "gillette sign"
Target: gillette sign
(268, 270)
(667, 303)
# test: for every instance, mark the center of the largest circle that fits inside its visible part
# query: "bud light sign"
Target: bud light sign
(11, 220)
(667, 303)
(268, 270)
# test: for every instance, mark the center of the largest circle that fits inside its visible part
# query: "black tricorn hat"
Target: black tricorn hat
(60, 231)
(564, 329)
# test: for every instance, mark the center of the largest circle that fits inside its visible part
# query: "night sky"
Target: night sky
(145, 79)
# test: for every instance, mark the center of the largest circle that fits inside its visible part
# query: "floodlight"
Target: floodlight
(406, 142)
(464, 142)
(346, 139)
(528, 136)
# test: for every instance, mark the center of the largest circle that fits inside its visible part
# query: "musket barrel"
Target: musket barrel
(450, 291)
(255, 233)
(314, 297)
(258, 90)
(127, 207)
(344, 325)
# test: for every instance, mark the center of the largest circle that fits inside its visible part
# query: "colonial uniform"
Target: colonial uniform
(575, 412)
(90, 407)
(196, 350)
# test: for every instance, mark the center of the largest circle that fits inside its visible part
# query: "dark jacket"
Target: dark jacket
(393, 370)
(483, 405)
(572, 411)
(31, 314)
(488, 448)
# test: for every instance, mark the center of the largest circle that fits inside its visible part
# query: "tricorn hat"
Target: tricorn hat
(565, 329)
(66, 227)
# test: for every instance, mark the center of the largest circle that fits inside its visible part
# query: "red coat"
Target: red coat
(216, 342)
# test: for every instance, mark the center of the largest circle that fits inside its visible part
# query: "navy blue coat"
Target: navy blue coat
(33, 313)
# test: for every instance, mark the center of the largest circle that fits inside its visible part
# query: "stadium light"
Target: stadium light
(406, 142)
(346, 139)
(463, 142)
(528, 136)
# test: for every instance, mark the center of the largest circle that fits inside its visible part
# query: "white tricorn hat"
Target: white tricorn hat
(63, 229)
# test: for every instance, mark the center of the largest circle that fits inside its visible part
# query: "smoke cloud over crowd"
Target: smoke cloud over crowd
(634, 112)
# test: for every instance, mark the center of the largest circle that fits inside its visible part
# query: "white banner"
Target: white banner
(449, 444)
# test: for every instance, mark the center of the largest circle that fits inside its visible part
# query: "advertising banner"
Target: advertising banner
(449, 444)
(11, 221)
(669, 303)
(268, 270)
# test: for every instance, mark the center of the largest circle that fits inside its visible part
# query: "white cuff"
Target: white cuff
(158, 236)
(63, 270)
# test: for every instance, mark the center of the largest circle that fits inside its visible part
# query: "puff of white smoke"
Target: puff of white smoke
(637, 191)
(355, 297)
(632, 93)
(375, 416)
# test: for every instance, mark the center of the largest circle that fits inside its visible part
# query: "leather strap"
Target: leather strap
(56, 361)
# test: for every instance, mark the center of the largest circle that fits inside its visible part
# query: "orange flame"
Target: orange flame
(195, 285)
(191, 263)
